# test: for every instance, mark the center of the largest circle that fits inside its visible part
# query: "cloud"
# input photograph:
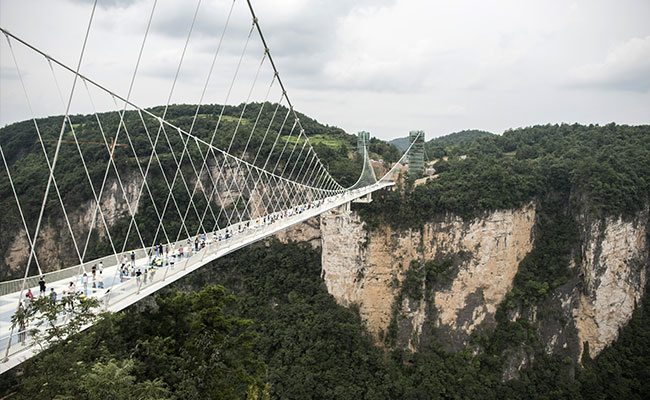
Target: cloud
(626, 67)
(453, 110)
(108, 3)
(382, 65)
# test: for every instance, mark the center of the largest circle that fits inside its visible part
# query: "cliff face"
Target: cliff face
(369, 269)
(55, 246)
(308, 231)
(614, 268)
(482, 257)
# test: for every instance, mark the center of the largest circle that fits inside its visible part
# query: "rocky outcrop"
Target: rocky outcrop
(613, 267)
(115, 204)
(368, 269)
(55, 247)
(308, 232)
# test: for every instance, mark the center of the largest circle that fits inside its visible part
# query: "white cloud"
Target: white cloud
(626, 67)
(387, 66)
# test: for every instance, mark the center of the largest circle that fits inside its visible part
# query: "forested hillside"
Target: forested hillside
(436, 146)
(607, 166)
(137, 135)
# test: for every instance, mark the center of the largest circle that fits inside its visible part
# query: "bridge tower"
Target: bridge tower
(416, 154)
(363, 140)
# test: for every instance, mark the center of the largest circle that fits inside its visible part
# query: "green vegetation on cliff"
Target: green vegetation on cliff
(606, 166)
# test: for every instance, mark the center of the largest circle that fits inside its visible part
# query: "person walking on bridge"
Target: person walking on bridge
(84, 280)
(41, 283)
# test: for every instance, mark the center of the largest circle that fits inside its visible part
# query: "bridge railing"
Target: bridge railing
(16, 285)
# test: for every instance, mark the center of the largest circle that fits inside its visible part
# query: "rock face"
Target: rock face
(54, 237)
(371, 269)
(368, 269)
(614, 267)
(308, 231)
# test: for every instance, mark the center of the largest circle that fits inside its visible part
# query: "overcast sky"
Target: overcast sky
(386, 66)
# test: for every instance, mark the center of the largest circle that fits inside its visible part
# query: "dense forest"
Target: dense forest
(438, 147)
(606, 166)
(269, 329)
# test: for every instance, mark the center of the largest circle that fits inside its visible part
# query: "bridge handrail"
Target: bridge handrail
(16, 285)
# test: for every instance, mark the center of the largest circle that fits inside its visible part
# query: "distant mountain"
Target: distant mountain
(457, 137)
(453, 138)
(401, 143)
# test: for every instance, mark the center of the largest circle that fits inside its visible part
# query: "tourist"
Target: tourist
(72, 288)
(94, 271)
(41, 283)
(133, 258)
(52, 294)
(29, 294)
(100, 284)
(28, 300)
(64, 300)
(100, 267)
(84, 280)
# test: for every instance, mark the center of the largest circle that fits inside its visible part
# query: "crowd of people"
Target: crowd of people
(159, 256)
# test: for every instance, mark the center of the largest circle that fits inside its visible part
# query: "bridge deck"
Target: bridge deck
(117, 295)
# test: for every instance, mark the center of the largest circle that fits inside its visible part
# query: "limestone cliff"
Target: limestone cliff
(614, 267)
(308, 231)
(371, 269)
(55, 247)
(367, 269)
